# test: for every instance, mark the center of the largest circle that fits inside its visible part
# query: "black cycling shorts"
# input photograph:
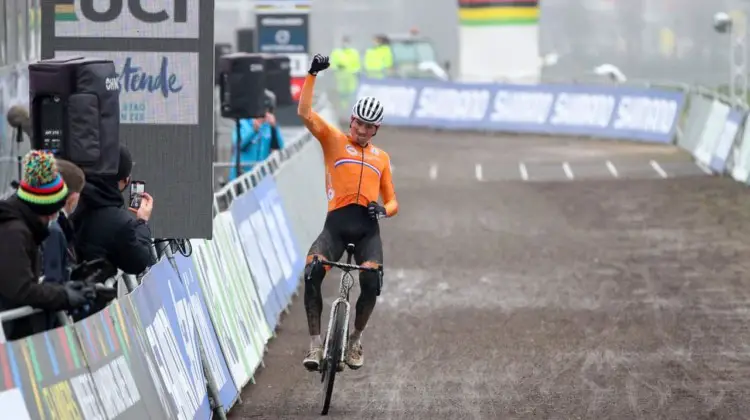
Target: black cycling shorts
(349, 225)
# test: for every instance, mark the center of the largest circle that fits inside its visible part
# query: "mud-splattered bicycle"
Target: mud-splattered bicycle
(338, 325)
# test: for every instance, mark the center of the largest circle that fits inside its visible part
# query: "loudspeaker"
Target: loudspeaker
(246, 40)
(219, 51)
(278, 78)
(75, 111)
(242, 85)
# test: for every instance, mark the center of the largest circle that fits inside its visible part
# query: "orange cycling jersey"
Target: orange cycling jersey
(354, 174)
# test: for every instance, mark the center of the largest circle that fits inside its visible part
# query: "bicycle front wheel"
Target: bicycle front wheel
(335, 350)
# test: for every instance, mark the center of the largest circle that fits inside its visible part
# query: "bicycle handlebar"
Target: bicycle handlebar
(349, 267)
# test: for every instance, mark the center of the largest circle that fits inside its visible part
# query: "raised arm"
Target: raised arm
(319, 127)
(388, 192)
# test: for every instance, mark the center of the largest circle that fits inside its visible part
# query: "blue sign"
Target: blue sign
(283, 33)
(260, 255)
(643, 114)
(165, 315)
(214, 356)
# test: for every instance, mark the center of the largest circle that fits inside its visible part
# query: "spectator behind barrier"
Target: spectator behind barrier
(24, 218)
(58, 253)
(105, 228)
(260, 136)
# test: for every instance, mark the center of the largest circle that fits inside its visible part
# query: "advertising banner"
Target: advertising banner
(260, 255)
(155, 88)
(245, 280)
(45, 377)
(649, 115)
(119, 371)
(230, 326)
(228, 391)
(726, 140)
(165, 317)
(291, 261)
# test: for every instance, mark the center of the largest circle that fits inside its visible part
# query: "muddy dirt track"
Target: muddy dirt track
(600, 297)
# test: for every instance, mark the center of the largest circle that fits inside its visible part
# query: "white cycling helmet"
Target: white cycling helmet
(369, 110)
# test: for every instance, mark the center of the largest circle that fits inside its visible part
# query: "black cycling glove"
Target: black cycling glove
(79, 294)
(319, 63)
(376, 211)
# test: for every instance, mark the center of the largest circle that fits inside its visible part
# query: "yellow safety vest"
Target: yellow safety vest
(347, 59)
(374, 65)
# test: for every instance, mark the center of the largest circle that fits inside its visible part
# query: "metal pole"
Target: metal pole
(738, 83)
(211, 387)
(238, 143)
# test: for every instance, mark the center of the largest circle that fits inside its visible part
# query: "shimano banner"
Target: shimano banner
(621, 112)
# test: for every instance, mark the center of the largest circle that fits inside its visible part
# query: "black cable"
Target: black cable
(183, 246)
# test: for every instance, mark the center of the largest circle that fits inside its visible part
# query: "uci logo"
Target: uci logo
(111, 84)
(178, 13)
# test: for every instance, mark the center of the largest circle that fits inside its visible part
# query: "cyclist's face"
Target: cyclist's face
(361, 131)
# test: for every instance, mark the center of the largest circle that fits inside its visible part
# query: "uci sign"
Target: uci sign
(127, 19)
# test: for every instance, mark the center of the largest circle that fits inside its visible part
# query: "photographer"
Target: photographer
(24, 218)
(105, 228)
(259, 137)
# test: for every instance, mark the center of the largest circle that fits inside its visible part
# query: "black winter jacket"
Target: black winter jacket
(104, 228)
(21, 234)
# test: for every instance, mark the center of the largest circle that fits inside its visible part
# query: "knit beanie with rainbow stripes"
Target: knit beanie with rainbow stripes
(42, 188)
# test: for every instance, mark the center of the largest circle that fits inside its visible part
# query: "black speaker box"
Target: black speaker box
(278, 78)
(242, 85)
(75, 111)
(219, 51)
(246, 40)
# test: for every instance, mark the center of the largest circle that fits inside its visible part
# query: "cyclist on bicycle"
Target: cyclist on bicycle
(356, 173)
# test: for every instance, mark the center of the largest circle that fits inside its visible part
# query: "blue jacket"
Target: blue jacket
(57, 255)
(255, 146)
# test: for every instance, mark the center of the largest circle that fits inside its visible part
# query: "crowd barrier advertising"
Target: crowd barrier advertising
(642, 114)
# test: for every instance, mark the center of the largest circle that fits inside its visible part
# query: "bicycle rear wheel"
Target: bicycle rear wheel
(335, 349)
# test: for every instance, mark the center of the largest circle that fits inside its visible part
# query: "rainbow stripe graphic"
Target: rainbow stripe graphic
(65, 11)
(498, 12)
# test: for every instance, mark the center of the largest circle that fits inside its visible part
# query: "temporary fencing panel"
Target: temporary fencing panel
(274, 216)
(727, 139)
(221, 307)
(228, 391)
(711, 132)
(259, 254)
(119, 371)
(256, 330)
(46, 376)
(165, 318)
